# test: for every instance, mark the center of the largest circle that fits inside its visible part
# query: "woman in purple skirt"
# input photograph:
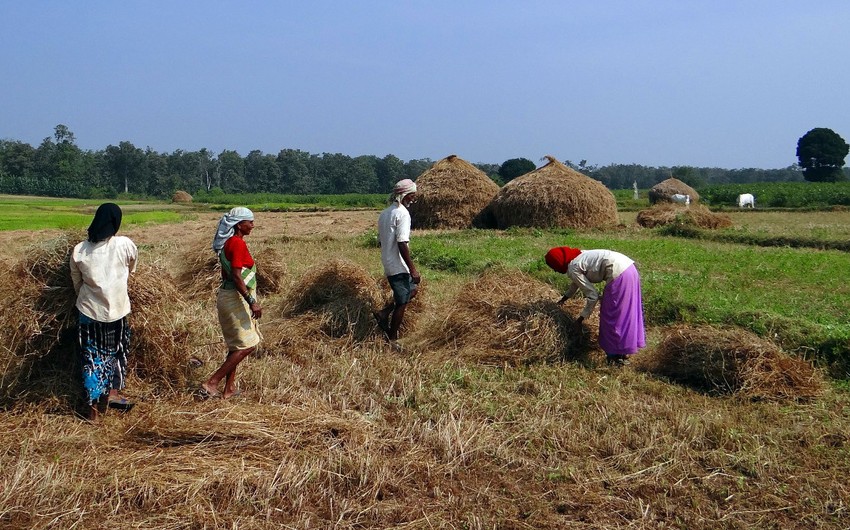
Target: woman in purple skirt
(621, 331)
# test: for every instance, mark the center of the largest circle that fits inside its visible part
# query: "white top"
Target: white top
(594, 266)
(100, 272)
(393, 228)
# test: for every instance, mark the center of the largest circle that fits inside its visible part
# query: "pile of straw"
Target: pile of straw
(554, 196)
(453, 194)
(696, 215)
(662, 191)
(504, 316)
(181, 196)
(731, 361)
(200, 275)
(336, 299)
(39, 328)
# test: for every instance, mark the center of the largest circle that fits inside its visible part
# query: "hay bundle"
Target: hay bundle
(731, 361)
(39, 328)
(504, 316)
(271, 270)
(453, 194)
(554, 196)
(662, 191)
(336, 299)
(200, 275)
(181, 196)
(696, 215)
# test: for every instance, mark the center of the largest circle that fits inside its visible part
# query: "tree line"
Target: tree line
(59, 168)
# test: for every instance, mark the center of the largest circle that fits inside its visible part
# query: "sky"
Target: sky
(725, 83)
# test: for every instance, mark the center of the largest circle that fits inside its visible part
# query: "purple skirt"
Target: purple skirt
(621, 329)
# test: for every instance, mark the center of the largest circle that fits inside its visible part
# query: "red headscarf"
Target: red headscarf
(559, 257)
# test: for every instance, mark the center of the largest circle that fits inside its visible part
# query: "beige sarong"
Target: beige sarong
(239, 329)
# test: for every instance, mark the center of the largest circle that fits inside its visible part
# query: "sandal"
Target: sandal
(121, 403)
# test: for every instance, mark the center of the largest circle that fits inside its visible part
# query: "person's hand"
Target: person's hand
(577, 328)
(414, 275)
(256, 310)
(562, 300)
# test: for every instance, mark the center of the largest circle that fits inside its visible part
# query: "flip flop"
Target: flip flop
(204, 394)
(121, 404)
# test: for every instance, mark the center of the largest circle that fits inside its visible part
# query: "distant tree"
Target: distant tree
(515, 167)
(389, 170)
(821, 153)
(688, 175)
(125, 165)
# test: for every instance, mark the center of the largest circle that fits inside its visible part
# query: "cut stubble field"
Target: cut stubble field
(338, 432)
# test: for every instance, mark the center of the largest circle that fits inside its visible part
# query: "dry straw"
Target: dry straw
(453, 194)
(731, 361)
(181, 196)
(200, 274)
(504, 316)
(697, 215)
(555, 196)
(662, 191)
(39, 328)
(336, 300)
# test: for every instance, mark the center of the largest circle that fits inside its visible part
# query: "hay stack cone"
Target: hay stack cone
(554, 196)
(453, 194)
(181, 196)
(662, 191)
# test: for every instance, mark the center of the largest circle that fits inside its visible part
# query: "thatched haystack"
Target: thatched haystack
(505, 316)
(335, 299)
(731, 361)
(696, 215)
(39, 331)
(554, 196)
(453, 194)
(181, 196)
(662, 191)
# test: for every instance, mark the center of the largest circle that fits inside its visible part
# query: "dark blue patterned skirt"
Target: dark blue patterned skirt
(103, 348)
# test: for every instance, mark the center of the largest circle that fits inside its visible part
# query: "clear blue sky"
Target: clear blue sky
(727, 83)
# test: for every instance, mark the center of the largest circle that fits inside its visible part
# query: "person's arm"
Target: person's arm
(76, 275)
(404, 250)
(236, 276)
(569, 293)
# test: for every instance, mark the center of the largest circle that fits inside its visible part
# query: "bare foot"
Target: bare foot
(231, 393)
(210, 390)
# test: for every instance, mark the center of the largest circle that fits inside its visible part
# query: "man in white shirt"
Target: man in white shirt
(401, 273)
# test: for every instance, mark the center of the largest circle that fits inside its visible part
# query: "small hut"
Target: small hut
(453, 194)
(554, 196)
(662, 191)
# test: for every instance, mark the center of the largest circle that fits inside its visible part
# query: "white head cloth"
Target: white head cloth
(402, 188)
(225, 226)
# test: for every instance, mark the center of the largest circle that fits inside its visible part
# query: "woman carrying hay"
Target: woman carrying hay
(236, 302)
(401, 273)
(100, 268)
(621, 331)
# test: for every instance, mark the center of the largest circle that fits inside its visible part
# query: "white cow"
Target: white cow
(746, 199)
(681, 199)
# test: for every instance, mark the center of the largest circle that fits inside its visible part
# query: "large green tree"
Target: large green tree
(515, 167)
(821, 153)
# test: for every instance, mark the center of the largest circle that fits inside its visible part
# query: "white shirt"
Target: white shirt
(594, 266)
(100, 272)
(393, 228)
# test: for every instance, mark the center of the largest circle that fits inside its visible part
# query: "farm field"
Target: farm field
(338, 431)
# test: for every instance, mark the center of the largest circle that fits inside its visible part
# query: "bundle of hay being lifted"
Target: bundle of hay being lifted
(695, 215)
(731, 361)
(181, 196)
(554, 196)
(662, 191)
(504, 316)
(39, 328)
(453, 194)
(335, 299)
(200, 276)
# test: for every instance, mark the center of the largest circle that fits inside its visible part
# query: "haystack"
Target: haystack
(505, 316)
(731, 361)
(335, 300)
(181, 196)
(696, 215)
(39, 328)
(554, 196)
(662, 191)
(453, 194)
